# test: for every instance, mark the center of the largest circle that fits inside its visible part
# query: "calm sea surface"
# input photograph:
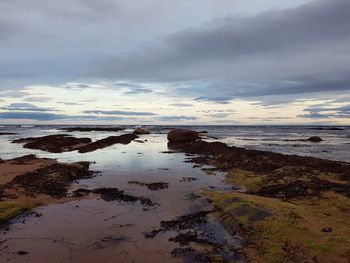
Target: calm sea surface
(283, 139)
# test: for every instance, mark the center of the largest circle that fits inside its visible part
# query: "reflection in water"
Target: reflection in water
(93, 230)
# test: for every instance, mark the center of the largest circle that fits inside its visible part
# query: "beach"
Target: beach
(238, 194)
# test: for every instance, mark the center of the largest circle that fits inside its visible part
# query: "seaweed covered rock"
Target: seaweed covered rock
(52, 180)
(103, 143)
(182, 135)
(54, 143)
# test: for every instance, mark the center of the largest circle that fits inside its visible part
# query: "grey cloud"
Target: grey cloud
(219, 115)
(180, 105)
(318, 112)
(44, 116)
(25, 107)
(117, 112)
(289, 52)
(176, 118)
(138, 91)
(14, 94)
(133, 88)
(38, 99)
(39, 116)
(214, 98)
(77, 86)
(70, 103)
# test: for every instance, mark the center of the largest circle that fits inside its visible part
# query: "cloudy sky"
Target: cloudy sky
(175, 62)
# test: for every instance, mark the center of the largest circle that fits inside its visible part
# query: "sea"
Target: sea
(281, 139)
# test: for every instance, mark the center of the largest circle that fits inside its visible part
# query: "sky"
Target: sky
(220, 62)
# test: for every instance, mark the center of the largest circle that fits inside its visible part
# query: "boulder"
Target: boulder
(140, 130)
(182, 135)
(315, 139)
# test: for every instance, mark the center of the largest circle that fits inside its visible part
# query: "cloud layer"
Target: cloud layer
(170, 61)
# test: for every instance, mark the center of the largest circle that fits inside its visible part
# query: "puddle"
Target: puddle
(95, 230)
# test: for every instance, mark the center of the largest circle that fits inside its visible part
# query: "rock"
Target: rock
(22, 253)
(141, 130)
(56, 143)
(315, 139)
(90, 129)
(327, 229)
(106, 142)
(182, 135)
(52, 180)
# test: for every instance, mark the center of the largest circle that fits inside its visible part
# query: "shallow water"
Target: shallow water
(93, 230)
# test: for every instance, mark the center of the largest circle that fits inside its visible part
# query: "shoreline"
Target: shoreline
(274, 195)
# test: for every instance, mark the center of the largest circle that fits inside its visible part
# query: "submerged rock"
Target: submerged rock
(182, 135)
(114, 194)
(151, 186)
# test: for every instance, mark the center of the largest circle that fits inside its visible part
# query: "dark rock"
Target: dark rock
(140, 130)
(188, 179)
(190, 221)
(24, 159)
(54, 143)
(22, 253)
(52, 180)
(7, 133)
(301, 188)
(88, 129)
(327, 128)
(272, 167)
(191, 236)
(114, 194)
(327, 230)
(103, 143)
(182, 135)
(151, 186)
(315, 139)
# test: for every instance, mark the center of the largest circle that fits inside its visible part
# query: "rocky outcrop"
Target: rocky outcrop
(103, 143)
(65, 143)
(182, 135)
(54, 143)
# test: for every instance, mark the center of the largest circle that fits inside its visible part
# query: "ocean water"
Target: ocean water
(282, 139)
